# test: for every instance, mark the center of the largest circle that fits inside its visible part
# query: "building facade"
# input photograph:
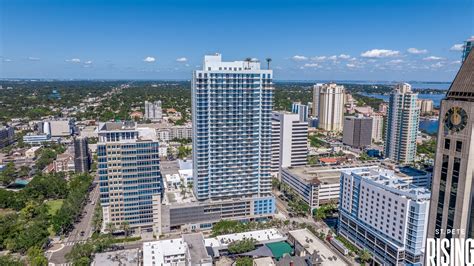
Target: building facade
(357, 131)
(7, 136)
(315, 107)
(377, 127)
(130, 180)
(331, 107)
(153, 111)
(289, 141)
(453, 191)
(300, 109)
(383, 214)
(232, 108)
(467, 48)
(426, 106)
(82, 156)
(402, 125)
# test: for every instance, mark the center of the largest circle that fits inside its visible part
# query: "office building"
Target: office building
(467, 48)
(232, 111)
(377, 127)
(451, 204)
(357, 131)
(331, 107)
(316, 185)
(315, 107)
(402, 125)
(300, 109)
(289, 141)
(129, 172)
(82, 156)
(36, 139)
(7, 136)
(153, 111)
(383, 214)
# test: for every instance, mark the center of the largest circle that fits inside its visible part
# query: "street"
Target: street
(56, 254)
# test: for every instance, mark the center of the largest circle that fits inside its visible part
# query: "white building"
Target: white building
(289, 140)
(377, 127)
(153, 110)
(316, 185)
(232, 106)
(300, 109)
(331, 106)
(380, 212)
(402, 125)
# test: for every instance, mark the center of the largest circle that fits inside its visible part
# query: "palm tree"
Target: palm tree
(110, 228)
(125, 226)
(268, 62)
(248, 60)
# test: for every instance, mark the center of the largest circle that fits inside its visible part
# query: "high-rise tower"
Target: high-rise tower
(452, 201)
(232, 111)
(402, 124)
(331, 106)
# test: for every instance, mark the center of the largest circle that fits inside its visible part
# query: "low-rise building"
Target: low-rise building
(188, 250)
(316, 185)
(306, 243)
(36, 139)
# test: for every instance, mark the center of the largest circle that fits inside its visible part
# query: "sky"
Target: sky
(396, 40)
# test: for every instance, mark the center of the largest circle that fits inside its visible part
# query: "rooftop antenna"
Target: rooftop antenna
(268, 62)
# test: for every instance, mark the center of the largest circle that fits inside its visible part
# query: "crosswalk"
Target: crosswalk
(72, 243)
(61, 264)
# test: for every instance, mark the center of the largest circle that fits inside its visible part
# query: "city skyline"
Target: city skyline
(165, 40)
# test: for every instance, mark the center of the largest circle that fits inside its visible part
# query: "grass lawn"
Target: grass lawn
(54, 206)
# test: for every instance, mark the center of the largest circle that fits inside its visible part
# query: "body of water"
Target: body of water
(435, 97)
(429, 126)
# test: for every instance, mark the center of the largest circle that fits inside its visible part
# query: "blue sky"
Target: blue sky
(307, 40)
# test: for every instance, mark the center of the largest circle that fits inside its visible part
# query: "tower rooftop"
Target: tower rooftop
(462, 87)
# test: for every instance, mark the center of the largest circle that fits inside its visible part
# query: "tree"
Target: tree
(8, 175)
(110, 227)
(125, 226)
(364, 256)
(10, 261)
(36, 257)
(244, 261)
(242, 246)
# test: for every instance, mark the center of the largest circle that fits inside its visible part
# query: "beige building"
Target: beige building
(377, 127)
(426, 106)
(331, 106)
(453, 189)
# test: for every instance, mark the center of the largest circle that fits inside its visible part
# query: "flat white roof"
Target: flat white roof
(268, 235)
(312, 244)
(156, 251)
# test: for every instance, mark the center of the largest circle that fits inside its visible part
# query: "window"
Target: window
(458, 146)
(447, 143)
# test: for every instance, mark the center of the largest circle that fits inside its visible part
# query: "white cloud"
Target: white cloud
(74, 60)
(7, 60)
(333, 57)
(299, 58)
(318, 58)
(88, 62)
(417, 51)
(351, 65)
(457, 62)
(379, 53)
(395, 61)
(149, 59)
(437, 65)
(31, 58)
(314, 65)
(344, 56)
(457, 47)
(182, 59)
(433, 58)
